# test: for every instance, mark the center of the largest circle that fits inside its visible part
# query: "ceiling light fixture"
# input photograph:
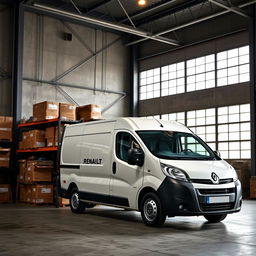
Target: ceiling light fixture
(141, 2)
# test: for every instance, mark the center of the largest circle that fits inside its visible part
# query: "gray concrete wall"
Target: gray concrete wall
(5, 60)
(47, 55)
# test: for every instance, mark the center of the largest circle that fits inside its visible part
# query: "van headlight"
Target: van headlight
(174, 172)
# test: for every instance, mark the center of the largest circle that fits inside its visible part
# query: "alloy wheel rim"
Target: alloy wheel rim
(75, 200)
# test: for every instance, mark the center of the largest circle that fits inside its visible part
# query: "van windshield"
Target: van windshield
(176, 145)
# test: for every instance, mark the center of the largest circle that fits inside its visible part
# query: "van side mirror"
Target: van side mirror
(135, 157)
(217, 153)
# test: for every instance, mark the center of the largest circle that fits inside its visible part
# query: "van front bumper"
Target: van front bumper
(183, 199)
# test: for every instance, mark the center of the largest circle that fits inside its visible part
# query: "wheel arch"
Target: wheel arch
(70, 187)
(143, 192)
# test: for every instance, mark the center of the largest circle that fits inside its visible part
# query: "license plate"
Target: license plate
(217, 199)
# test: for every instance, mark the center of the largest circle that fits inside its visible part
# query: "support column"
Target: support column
(252, 43)
(18, 60)
(134, 69)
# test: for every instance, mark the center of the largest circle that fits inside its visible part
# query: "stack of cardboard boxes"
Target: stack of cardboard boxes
(30, 173)
(48, 110)
(6, 123)
(33, 174)
(51, 110)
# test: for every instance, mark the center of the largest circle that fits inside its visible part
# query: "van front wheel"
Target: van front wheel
(152, 211)
(215, 218)
(76, 205)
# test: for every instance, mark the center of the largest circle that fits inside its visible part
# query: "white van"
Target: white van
(158, 168)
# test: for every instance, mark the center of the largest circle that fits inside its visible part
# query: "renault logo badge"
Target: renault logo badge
(215, 178)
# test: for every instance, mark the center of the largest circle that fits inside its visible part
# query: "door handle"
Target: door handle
(114, 167)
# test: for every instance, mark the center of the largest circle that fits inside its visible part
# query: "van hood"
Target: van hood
(203, 169)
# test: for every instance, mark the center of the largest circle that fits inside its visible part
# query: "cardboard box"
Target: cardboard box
(67, 111)
(22, 170)
(24, 143)
(50, 132)
(56, 135)
(25, 193)
(5, 157)
(42, 194)
(88, 112)
(50, 142)
(63, 201)
(242, 168)
(6, 128)
(253, 187)
(38, 171)
(36, 139)
(45, 111)
(5, 193)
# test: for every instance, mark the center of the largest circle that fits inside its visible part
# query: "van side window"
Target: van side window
(124, 142)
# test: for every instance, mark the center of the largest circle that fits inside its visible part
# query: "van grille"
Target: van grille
(216, 191)
(216, 207)
(208, 181)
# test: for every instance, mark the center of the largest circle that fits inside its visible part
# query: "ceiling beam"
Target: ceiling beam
(190, 23)
(97, 5)
(148, 10)
(106, 24)
(232, 9)
(167, 11)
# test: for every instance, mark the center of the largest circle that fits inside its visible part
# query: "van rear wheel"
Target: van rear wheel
(215, 218)
(76, 205)
(152, 211)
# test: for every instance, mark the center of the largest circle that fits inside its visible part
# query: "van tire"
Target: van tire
(76, 205)
(215, 218)
(151, 210)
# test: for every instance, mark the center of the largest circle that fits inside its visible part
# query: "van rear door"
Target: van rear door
(126, 179)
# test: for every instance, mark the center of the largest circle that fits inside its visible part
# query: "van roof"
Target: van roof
(141, 123)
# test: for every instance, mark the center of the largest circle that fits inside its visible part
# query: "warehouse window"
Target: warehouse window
(178, 117)
(150, 84)
(173, 79)
(154, 117)
(201, 73)
(196, 74)
(231, 122)
(234, 132)
(233, 66)
(203, 123)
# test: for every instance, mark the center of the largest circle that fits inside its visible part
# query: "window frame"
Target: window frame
(131, 136)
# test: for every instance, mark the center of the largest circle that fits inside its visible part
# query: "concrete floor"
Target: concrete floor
(110, 231)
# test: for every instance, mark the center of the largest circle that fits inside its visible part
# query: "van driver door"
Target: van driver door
(126, 179)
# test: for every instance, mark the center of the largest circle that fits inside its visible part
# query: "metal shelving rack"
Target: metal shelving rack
(52, 153)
